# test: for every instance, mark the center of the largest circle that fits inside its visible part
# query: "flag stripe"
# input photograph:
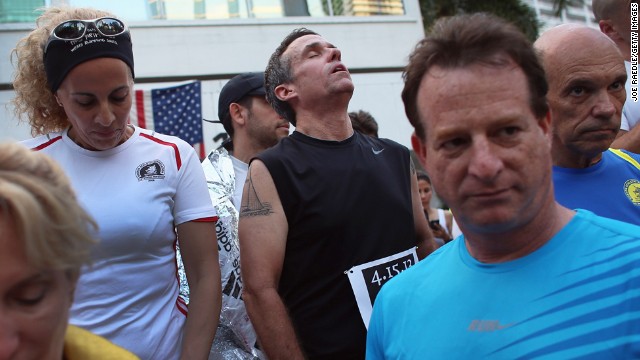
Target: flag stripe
(140, 109)
(201, 151)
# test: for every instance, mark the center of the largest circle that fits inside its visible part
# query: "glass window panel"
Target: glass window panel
(144, 10)
(316, 8)
(126, 9)
(12, 11)
(266, 8)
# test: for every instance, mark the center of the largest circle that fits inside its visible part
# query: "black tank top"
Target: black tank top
(347, 203)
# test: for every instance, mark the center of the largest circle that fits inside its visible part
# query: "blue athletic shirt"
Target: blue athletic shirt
(609, 188)
(576, 297)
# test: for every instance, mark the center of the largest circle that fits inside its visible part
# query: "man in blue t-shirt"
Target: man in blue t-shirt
(586, 77)
(529, 278)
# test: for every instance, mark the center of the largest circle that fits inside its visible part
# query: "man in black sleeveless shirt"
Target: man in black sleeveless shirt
(327, 215)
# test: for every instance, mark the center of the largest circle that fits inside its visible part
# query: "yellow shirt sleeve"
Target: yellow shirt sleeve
(80, 344)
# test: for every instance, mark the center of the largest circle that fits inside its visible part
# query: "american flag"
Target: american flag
(175, 110)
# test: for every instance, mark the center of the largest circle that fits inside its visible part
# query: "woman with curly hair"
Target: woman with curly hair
(147, 191)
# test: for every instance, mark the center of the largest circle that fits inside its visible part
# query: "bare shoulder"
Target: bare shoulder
(448, 215)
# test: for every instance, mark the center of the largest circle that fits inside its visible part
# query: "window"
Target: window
(13, 11)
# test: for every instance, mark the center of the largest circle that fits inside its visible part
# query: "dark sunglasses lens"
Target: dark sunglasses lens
(69, 30)
(109, 26)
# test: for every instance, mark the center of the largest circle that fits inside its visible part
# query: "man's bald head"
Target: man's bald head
(572, 40)
(586, 76)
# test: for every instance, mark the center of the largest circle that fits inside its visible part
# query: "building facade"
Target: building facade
(578, 13)
(212, 40)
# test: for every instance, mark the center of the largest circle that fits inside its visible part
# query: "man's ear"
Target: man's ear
(547, 127)
(285, 92)
(237, 115)
(419, 148)
(545, 122)
(607, 28)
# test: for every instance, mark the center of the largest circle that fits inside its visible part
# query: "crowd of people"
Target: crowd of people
(288, 242)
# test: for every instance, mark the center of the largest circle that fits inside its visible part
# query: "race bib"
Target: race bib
(367, 279)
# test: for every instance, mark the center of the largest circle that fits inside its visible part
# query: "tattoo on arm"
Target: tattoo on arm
(252, 206)
(413, 167)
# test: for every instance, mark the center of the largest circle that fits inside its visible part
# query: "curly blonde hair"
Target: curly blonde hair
(34, 100)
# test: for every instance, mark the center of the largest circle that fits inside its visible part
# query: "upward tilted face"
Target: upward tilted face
(486, 152)
(97, 97)
(317, 67)
(34, 303)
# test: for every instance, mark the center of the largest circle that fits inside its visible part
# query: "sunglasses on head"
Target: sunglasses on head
(71, 30)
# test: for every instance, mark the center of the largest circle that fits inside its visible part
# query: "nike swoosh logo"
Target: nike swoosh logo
(376, 152)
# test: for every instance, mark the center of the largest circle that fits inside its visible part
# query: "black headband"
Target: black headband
(63, 55)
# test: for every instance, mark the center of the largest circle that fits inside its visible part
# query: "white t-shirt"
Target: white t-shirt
(137, 192)
(631, 109)
(240, 169)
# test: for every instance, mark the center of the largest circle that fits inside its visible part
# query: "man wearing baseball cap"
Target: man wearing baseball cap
(253, 126)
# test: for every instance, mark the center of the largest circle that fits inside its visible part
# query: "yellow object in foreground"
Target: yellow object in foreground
(80, 344)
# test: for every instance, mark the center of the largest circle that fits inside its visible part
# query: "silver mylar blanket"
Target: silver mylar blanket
(235, 336)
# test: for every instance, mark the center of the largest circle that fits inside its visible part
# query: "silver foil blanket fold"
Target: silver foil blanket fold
(235, 336)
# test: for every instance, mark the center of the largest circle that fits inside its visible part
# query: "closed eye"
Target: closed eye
(85, 103)
(31, 300)
(31, 292)
(120, 95)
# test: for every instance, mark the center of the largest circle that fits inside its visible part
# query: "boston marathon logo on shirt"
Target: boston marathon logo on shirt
(632, 189)
(150, 171)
